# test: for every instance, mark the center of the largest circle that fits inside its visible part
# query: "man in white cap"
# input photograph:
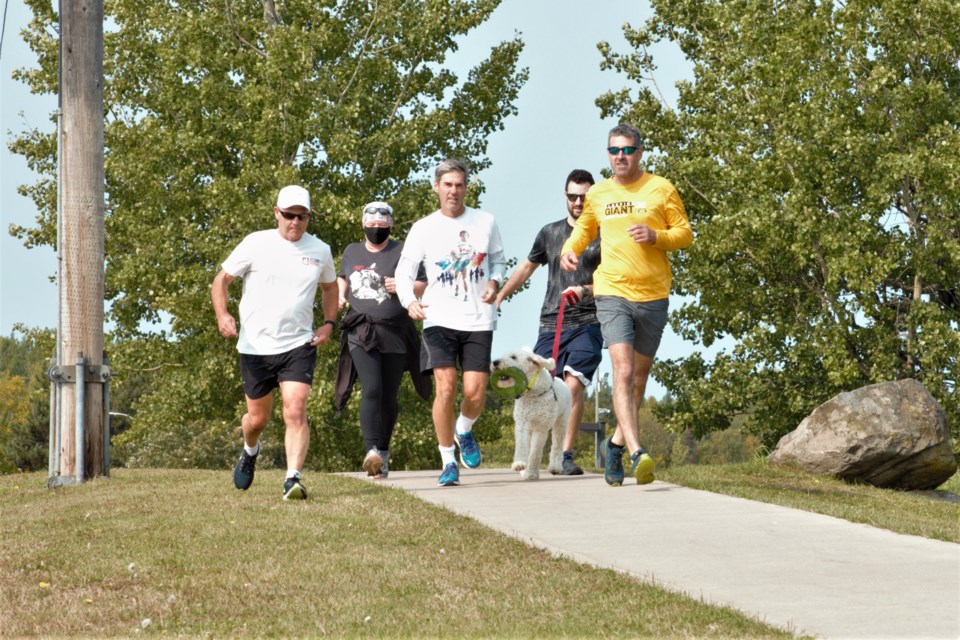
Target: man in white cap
(277, 341)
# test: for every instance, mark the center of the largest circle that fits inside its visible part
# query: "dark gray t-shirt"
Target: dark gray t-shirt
(364, 271)
(546, 250)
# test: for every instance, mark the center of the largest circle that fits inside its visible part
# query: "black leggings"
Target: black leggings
(380, 375)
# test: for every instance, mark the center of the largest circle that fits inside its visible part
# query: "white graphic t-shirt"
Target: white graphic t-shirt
(460, 255)
(280, 281)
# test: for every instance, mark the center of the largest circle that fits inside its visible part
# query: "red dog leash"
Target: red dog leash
(565, 298)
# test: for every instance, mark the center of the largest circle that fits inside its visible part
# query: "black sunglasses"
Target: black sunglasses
(381, 210)
(573, 197)
(627, 151)
(303, 217)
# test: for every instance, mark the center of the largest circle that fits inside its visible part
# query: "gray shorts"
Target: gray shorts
(638, 323)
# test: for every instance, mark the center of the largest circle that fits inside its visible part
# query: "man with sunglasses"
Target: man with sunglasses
(281, 269)
(639, 217)
(579, 351)
(457, 324)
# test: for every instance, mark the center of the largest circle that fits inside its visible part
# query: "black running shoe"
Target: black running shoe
(613, 464)
(293, 489)
(569, 467)
(243, 470)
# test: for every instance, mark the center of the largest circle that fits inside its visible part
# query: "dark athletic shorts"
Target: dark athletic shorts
(444, 347)
(579, 353)
(263, 374)
(638, 323)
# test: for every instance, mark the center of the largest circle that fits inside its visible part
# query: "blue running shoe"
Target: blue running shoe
(469, 450)
(613, 464)
(450, 476)
(643, 466)
(244, 469)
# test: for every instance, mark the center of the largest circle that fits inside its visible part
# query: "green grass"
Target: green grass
(925, 514)
(200, 559)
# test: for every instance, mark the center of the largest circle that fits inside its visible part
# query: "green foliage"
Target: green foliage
(818, 152)
(211, 108)
(25, 400)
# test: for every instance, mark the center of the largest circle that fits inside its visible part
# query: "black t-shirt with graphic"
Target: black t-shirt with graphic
(546, 250)
(365, 272)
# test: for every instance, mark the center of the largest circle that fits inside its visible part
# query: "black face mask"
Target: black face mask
(376, 235)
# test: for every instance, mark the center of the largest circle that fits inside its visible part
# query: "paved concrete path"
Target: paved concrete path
(805, 572)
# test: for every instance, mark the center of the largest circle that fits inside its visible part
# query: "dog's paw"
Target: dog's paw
(518, 465)
(530, 474)
(555, 468)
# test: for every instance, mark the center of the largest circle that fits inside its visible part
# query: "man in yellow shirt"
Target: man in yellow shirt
(641, 217)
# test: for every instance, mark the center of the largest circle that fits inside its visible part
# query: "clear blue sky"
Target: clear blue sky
(558, 128)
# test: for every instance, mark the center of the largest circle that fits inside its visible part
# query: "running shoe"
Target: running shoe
(385, 467)
(450, 476)
(244, 469)
(373, 462)
(569, 467)
(469, 450)
(293, 489)
(643, 466)
(613, 464)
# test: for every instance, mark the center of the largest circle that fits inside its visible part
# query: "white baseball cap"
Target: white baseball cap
(293, 196)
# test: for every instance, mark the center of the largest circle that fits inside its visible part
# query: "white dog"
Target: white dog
(542, 406)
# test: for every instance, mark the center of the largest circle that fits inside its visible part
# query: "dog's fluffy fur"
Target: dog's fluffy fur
(543, 409)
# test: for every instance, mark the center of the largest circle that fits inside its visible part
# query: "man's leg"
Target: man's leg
(474, 393)
(255, 419)
(444, 401)
(641, 372)
(576, 410)
(623, 358)
(251, 425)
(297, 437)
(567, 465)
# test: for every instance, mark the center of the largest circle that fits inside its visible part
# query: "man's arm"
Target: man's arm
(498, 267)
(520, 275)
(678, 234)
(405, 276)
(329, 295)
(226, 323)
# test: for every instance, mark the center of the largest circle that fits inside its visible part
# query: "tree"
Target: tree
(818, 151)
(24, 399)
(211, 107)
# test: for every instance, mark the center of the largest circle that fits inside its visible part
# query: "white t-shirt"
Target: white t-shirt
(279, 288)
(460, 255)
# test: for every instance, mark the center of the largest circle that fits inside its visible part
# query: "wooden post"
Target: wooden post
(82, 189)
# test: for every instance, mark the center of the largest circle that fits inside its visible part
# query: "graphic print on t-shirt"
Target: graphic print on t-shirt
(463, 265)
(366, 284)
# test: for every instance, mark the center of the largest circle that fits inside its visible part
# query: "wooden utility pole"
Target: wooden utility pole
(81, 241)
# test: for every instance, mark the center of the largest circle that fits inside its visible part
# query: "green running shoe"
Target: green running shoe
(643, 466)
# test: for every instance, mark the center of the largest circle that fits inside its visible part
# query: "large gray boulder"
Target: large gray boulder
(891, 435)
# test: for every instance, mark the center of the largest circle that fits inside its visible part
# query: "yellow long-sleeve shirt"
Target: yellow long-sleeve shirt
(636, 272)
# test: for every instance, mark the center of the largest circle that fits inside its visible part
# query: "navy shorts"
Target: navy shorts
(638, 323)
(443, 347)
(579, 352)
(263, 374)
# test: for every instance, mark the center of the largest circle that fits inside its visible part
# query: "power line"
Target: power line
(3, 27)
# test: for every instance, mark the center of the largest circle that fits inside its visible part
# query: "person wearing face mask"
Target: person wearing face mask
(378, 340)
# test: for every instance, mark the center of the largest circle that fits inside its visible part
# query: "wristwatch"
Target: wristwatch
(331, 323)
